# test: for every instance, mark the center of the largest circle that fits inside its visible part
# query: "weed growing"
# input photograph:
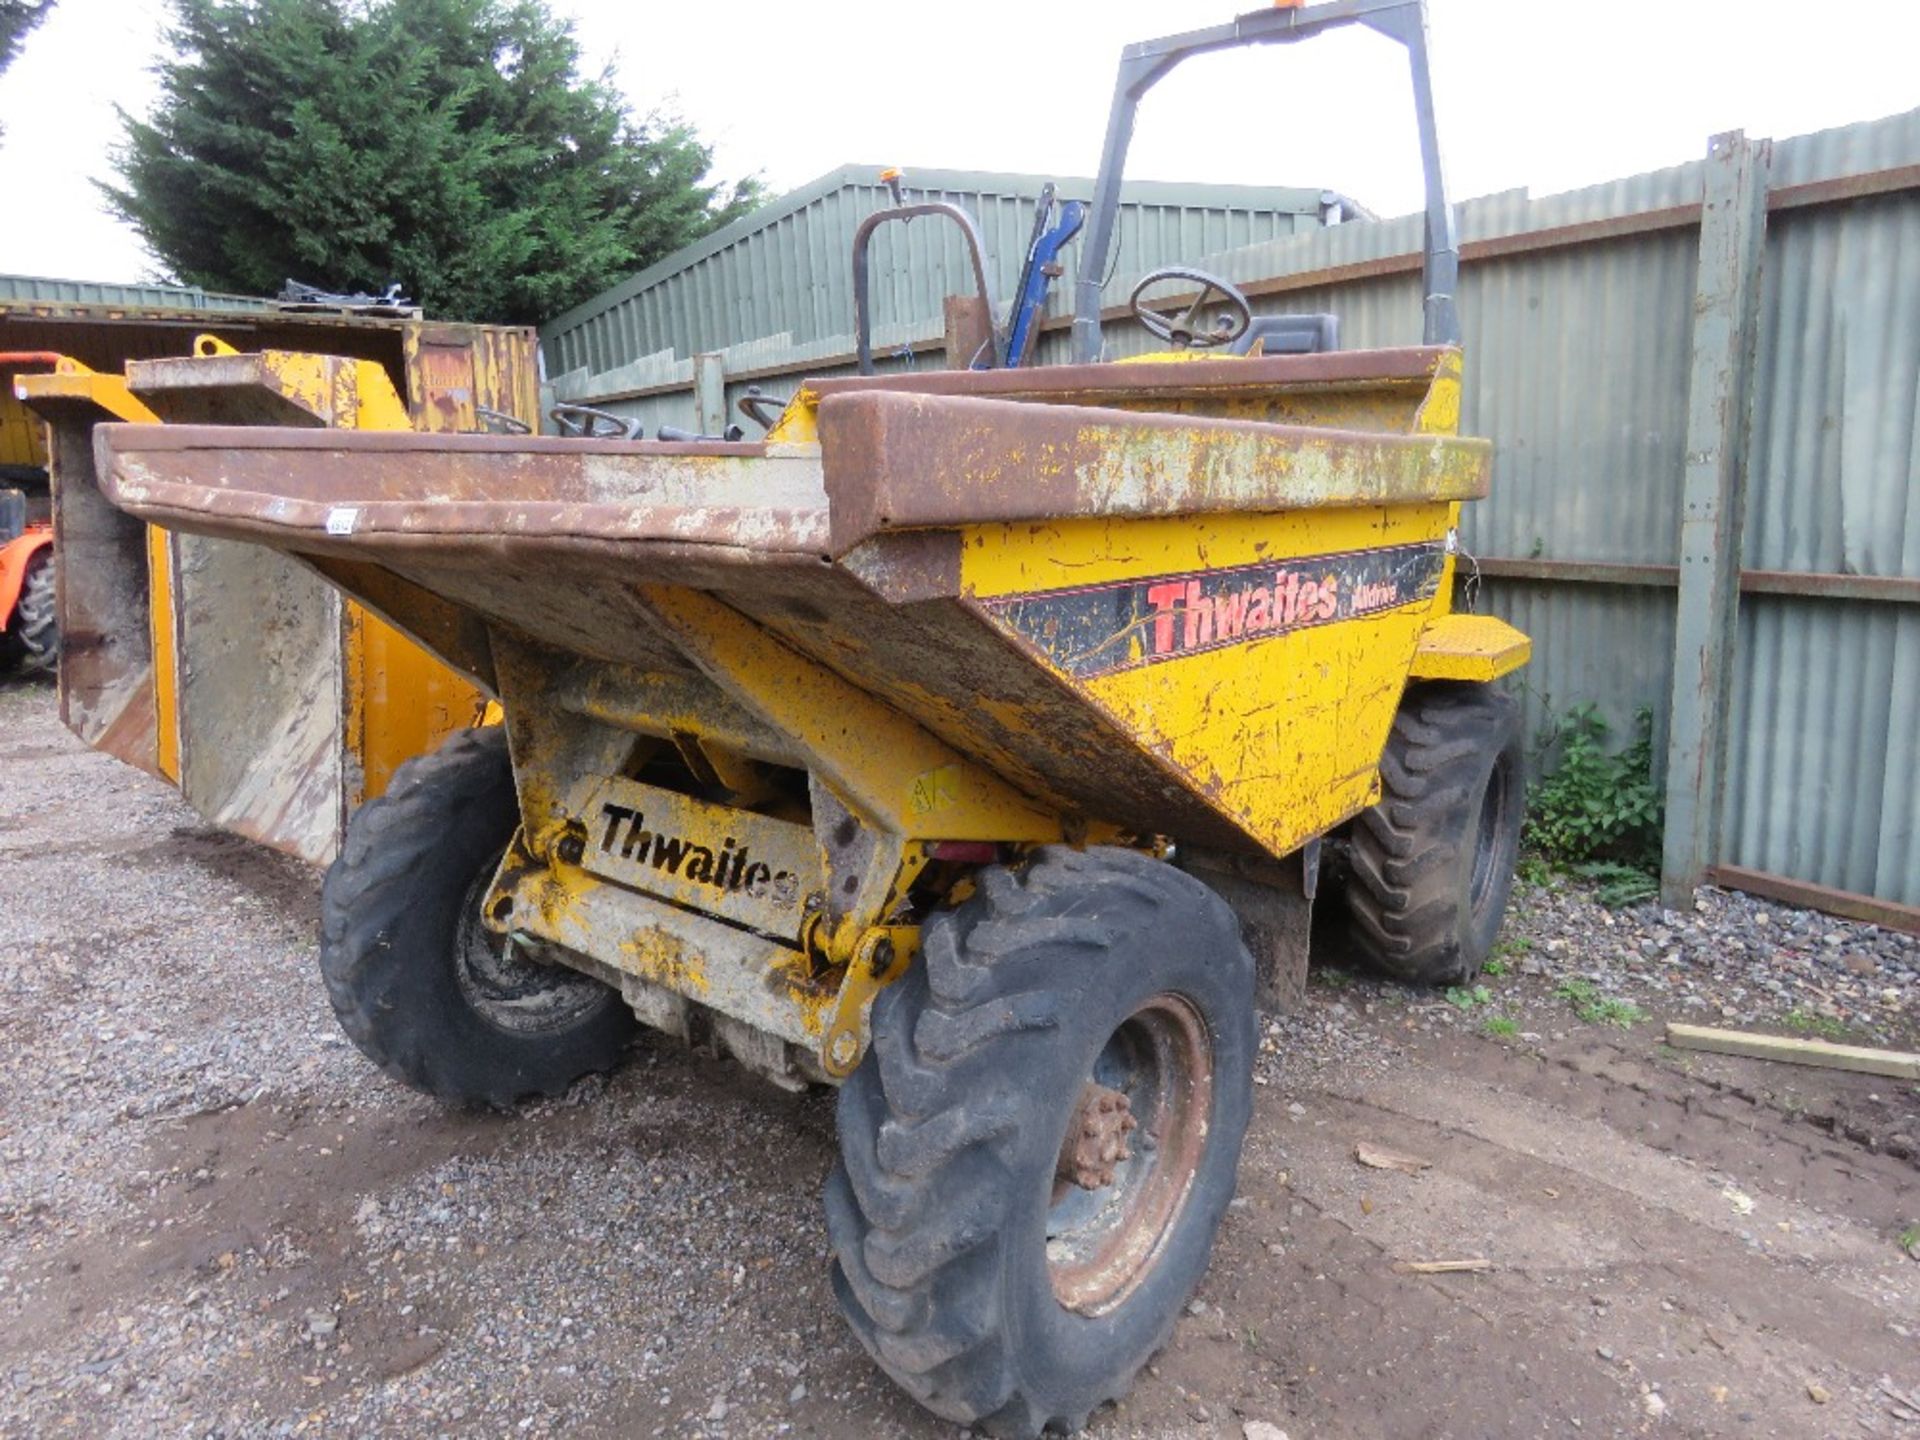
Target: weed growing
(1597, 1009)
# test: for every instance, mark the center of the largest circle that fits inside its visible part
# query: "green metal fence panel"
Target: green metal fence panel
(31, 290)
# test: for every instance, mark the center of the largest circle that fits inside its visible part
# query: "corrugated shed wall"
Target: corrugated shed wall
(780, 280)
(1578, 317)
(42, 290)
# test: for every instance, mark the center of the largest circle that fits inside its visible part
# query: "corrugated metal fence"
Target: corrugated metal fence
(40, 290)
(1585, 367)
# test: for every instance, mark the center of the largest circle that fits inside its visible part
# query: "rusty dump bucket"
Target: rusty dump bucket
(1011, 559)
(276, 706)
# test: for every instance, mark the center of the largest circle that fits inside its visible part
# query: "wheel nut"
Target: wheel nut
(1096, 1142)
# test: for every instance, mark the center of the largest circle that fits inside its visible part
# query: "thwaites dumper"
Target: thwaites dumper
(276, 705)
(970, 742)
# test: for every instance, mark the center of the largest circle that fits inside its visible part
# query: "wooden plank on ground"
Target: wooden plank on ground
(1479, 1265)
(1900, 1064)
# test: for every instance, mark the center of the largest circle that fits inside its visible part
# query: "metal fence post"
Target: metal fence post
(710, 393)
(1726, 308)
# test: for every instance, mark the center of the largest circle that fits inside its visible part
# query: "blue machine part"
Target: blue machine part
(1040, 271)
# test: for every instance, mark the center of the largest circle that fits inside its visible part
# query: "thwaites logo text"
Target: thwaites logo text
(627, 835)
(1099, 629)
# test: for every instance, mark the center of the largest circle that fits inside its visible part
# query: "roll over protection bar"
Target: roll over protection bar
(1143, 65)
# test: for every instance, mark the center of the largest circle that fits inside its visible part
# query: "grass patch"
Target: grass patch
(1499, 961)
(1617, 886)
(1462, 998)
(1597, 1009)
(1535, 871)
(1910, 1237)
(1501, 1027)
(1808, 1022)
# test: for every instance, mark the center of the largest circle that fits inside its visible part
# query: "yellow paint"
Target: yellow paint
(379, 404)
(871, 970)
(935, 791)
(666, 960)
(1048, 555)
(1470, 647)
(70, 380)
(1427, 405)
(1282, 734)
(401, 701)
(21, 437)
(166, 662)
(870, 753)
(1179, 357)
(1439, 413)
(799, 423)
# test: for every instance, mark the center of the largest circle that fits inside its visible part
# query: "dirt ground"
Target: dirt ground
(217, 1220)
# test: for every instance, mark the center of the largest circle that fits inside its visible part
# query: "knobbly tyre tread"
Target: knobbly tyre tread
(37, 618)
(919, 1206)
(1408, 856)
(389, 861)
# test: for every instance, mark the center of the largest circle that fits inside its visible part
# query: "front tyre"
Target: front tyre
(1431, 865)
(419, 984)
(1038, 1150)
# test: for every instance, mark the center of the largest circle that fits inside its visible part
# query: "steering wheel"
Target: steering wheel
(583, 422)
(763, 410)
(499, 422)
(1181, 330)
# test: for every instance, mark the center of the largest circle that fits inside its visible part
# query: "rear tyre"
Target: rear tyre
(420, 985)
(1431, 865)
(35, 617)
(1008, 1247)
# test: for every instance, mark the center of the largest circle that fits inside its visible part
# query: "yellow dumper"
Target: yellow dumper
(972, 741)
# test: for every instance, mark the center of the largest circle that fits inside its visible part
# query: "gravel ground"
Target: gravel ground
(217, 1220)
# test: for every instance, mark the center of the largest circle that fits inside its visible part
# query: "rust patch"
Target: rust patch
(1096, 1140)
(896, 461)
(1184, 380)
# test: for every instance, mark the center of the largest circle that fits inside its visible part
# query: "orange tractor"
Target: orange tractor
(29, 633)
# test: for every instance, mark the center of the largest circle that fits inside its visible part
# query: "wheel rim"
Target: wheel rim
(1486, 845)
(506, 989)
(1156, 1069)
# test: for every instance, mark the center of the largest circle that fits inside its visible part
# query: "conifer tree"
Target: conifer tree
(451, 146)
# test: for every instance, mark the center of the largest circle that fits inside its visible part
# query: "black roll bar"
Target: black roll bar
(862, 321)
(1143, 65)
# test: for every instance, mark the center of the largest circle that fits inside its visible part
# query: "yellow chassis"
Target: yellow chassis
(768, 704)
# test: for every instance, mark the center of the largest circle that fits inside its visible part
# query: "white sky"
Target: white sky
(1544, 94)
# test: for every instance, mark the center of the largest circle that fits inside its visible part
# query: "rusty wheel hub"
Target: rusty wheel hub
(1096, 1140)
(1127, 1161)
